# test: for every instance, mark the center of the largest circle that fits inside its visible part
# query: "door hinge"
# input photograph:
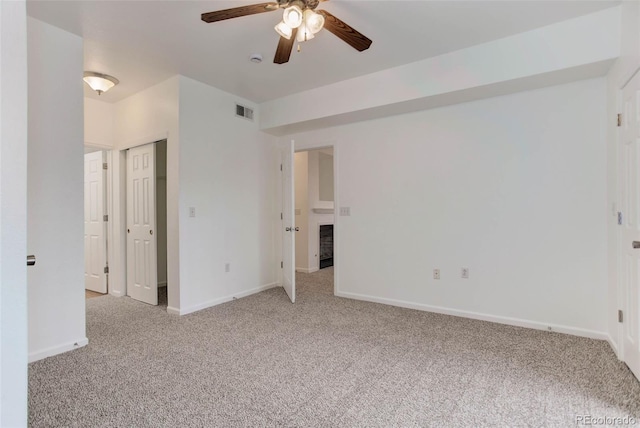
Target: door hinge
(104, 165)
(281, 265)
(105, 217)
(619, 119)
(281, 218)
(620, 316)
(106, 269)
(619, 218)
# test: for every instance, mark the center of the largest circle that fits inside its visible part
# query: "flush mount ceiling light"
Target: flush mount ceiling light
(100, 82)
(300, 22)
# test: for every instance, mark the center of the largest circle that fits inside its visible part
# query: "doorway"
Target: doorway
(314, 184)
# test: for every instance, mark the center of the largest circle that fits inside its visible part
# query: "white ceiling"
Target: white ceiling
(145, 42)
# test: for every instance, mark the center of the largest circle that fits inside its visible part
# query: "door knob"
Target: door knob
(288, 229)
(636, 244)
(31, 260)
(151, 232)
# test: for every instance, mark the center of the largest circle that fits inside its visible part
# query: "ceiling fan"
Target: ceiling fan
(300, 22)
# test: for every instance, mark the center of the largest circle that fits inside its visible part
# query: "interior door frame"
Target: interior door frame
(304, 146)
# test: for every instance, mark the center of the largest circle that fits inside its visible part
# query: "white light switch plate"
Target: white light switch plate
(192, 211)
(345, 211)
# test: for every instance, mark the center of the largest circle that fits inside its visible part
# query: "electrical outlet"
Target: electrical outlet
(464, 273)
(227, 267)
(345, 211)
(436, 274)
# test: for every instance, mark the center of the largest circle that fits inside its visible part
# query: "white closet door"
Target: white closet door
(142, 270)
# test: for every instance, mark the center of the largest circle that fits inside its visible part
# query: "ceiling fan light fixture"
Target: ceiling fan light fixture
(99, 82)
(292, 16)
(313, 21)
(284, 30)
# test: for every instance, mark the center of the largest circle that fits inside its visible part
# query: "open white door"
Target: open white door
(288, 222)
(142, 270)
(95, 228)
(630, 236)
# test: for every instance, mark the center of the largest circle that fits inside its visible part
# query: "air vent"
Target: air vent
(245, 112)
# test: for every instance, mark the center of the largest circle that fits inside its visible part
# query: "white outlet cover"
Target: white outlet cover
(346, 211)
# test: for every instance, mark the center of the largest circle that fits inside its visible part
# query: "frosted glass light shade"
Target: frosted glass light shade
(313, 21)
(292, 16)
(304, 34)
(284, 30)
(100, 82)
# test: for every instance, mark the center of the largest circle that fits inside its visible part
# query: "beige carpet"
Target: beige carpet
(322, 362)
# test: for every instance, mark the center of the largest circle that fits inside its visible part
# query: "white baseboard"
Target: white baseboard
(305, 270)
(116, 293)
(221, 300)
(173, 311)
(478, 316)
(59, 349)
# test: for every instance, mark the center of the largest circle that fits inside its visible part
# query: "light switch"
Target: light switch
(345, 211)
(192, 211)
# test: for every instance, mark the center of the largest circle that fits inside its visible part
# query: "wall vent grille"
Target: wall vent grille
(245, 112)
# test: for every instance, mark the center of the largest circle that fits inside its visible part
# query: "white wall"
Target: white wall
(99, 123)
(228, 173)
(301, 179)
(55, 191)
(619, 74)
(143, 118)
(512, 187)
(13, 214)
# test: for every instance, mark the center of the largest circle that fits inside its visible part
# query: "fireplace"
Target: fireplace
(326, 245)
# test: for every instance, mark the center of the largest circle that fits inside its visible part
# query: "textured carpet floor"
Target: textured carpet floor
(322, 362)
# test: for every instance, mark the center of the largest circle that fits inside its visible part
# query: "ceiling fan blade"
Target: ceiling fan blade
(236, 12)
(344, 31)
(283, 52)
